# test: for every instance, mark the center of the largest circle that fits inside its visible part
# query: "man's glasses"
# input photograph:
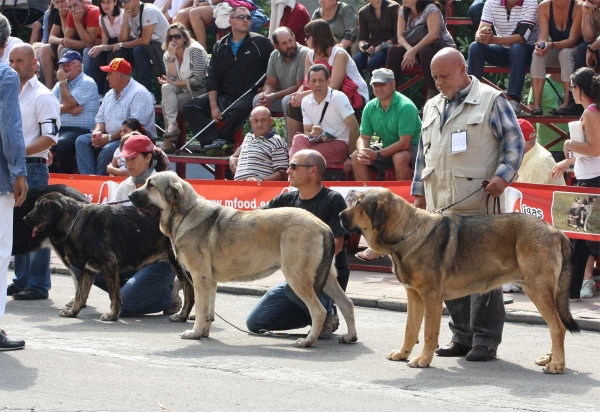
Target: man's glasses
(243, 17)
(295, 166)
(175, 36)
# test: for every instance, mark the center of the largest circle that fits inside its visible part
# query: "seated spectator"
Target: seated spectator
(127, 98)
(49, 52)
(475, 11)
(264, 154)
(280, 308)
(342, 19)
(560, 52)
(111, 18)
(395, 119)
(588, 52)
(129, 128)
(285, 72)
(330, 126)
(238, 61)
(290, 14)
(343, 72)
(552, 97)
(512, 46)
(153, 288)
(377, 25)
(143, 32)
(83, 31)
(185, 63)
(79, 103)
(170, 8)
(413, 48)
(537, 162)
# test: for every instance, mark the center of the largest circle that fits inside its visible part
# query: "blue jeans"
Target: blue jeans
(580, 55)
(281, 309)
(517, 57)
(475, 11)
(146, 291)
(477, 319)
(86, 155)
(65, 148)
(32, 271)
(376, 61)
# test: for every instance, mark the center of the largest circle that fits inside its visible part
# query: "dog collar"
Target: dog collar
(73, 222)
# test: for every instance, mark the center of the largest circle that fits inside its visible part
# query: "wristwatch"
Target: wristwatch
(121, 45)
(589, 47)
(379, 156)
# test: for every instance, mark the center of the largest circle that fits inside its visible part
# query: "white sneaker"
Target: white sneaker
(176, 302)
(516, 106)
(511, 288)
(587, 289)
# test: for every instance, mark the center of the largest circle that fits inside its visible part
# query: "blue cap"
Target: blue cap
(70, 56)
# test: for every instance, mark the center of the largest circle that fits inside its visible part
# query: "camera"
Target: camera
(366, 46)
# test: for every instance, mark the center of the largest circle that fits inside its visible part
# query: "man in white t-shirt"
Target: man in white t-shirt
(516, 26)
(330, 126)
(142, 34)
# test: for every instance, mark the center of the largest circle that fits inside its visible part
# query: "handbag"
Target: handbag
(415, 34)
(13, 4)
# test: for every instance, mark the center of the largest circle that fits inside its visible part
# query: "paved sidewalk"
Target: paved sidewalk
(383, 291)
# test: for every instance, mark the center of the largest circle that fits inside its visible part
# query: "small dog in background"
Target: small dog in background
(580, 212)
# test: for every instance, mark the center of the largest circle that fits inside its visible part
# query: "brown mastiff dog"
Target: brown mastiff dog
(439, 257)
(222, 244)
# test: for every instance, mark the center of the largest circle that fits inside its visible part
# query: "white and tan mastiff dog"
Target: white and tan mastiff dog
(222, 244)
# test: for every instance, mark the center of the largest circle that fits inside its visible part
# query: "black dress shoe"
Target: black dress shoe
(453, 349)
(12, 289)
(10, 344)
(29, 295)
(481, 353)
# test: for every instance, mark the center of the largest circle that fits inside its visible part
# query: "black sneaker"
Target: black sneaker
(29, 295)
(480, 353)
(12, 289)
(218, 148)
(10, 344)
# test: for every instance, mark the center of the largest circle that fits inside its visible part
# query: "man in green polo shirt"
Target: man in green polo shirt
(395, 119)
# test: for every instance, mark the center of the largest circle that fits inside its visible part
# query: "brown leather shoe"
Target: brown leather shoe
(453, 349)
(480, 353)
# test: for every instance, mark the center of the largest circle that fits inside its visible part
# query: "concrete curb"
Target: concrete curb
(396, 305)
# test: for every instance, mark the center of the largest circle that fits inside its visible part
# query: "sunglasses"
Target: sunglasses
(175, 36)
(243, 17)
(295, 166)
(571, 87)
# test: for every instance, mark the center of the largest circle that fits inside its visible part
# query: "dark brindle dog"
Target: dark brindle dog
(103, 239)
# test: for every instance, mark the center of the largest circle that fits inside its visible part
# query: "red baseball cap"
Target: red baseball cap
(528, 130)
(135, 145)
(117, 65)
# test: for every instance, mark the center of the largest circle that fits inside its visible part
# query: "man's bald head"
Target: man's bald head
(22, 60)
(25, 49)
(449, 71)
(285, 42)
(261, 120)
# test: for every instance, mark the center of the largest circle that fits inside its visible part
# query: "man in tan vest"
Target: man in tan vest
(469, 134)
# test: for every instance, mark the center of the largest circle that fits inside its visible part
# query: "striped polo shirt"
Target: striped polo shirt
(261, 156)
(505, 23)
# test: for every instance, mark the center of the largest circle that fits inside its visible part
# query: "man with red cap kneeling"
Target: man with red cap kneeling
(125, 99)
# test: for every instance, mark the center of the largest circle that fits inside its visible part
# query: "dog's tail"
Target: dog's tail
(564, 283)
(324, 268)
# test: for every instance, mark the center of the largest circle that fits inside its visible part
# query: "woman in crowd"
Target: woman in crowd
(323, 49)
(417, 45)
(342, 19)
(377, 22)
(585, 85)
(111, 18)
(49, 52)
(185, 62)
(559, 20)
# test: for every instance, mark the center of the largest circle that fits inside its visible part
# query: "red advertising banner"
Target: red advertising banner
(574, 210)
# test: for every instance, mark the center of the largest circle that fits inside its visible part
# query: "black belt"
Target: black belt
(39, 160)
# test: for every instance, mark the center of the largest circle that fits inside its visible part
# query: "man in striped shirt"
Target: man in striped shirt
(515, 23)
(263, 155)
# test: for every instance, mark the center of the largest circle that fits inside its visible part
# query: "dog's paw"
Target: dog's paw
(109, 317)
(554, 368)
(304, 343)
(191, 334)
(419, 362)
(347, 338)
(66, 313)
(398, 355)
(177, 317)
(543, 360)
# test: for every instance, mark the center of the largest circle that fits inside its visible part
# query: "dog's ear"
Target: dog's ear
(174, 193)
(377, 212)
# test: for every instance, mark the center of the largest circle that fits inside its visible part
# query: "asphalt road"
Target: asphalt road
(141, 364)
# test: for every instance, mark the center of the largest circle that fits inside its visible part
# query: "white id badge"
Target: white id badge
(459, 142)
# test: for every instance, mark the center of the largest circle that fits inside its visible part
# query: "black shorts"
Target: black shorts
(386, 163)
